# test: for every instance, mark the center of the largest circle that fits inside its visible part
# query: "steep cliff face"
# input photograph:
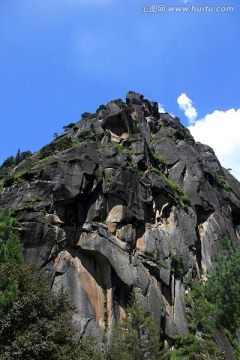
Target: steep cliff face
(124, 199)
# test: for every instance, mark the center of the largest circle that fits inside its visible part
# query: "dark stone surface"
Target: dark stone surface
(102, 217)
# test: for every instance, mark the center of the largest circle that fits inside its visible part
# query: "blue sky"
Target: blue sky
(60, 58)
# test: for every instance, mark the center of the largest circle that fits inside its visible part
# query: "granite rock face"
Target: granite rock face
(125, 199)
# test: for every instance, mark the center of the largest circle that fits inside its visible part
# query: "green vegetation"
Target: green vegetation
(217, 303)
(211, 306)
(132, 139)
(223, 287)
(85, 135)
(68, 127)
(23, 175)
(101, 107)
(12, 161)
(222, 182)
(18, 158)
(27, 207)
(128, 163)
(123, 106)
(118, 147)
(169, 139)
(120, 103)
(110, 178)
(160, 159)
(35, 323)
(55, 146)
(89, 136)
(136, 337)
(156, 171)
(179, 194)
(87, 115)
(153, 140)
(30, 206)
(128, 157)
(55, 135)
(149, 252)
(34, 199)
(73, 160)
(200, 160)
(189, 347)
(20, 176)
(133, 168)
(136, 129)
(177, 265)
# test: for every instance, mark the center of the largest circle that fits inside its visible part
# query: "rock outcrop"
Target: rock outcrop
(124, 199)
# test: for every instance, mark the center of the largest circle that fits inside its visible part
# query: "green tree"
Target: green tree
(137, 336)
(68, 127)
(11, 258)
(223, 287)
(188, 347)
(8, 162)
(37, 325)
(35, 322)
(6, 222)
(217, 303)
(21, 155)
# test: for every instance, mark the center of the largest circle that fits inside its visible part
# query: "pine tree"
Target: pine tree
(35, 323)
(137, 336)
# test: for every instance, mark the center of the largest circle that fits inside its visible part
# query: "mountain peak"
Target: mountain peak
(107, 205)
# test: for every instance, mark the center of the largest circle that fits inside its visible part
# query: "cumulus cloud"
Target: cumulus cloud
(221, 130)
(161, 108)
(185, 104)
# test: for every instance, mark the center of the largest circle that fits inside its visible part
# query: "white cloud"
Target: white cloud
(221, 130)
(185, 104)
(161, 108)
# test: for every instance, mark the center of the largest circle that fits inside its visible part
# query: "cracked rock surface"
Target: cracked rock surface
(110, 205)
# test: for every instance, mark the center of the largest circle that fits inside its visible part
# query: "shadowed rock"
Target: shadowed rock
(107, 206)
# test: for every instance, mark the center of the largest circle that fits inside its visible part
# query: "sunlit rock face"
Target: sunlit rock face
(124, 200)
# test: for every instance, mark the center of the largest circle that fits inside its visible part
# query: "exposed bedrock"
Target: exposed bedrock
(125, 200)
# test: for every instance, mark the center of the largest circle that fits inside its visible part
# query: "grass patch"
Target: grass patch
(156, 171)
(153, 140)
(179, 194)
(160, 159)
(132, 139)
(118, 147)
(150, 254)
(28, 207)
(222, 183)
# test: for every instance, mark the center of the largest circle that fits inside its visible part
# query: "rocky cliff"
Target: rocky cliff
(124, 199)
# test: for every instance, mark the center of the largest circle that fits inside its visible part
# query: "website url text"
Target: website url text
(205, 8)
